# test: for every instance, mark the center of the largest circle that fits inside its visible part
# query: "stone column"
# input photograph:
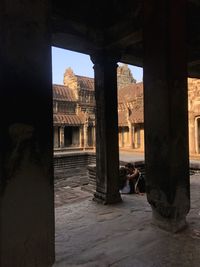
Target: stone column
(141, 139)
(107, 150)
(137, 137)
(85, 135)
(94, 136)
(26, 136)
(133, 136)
(196, 131)
(198, 135)
(62, 136)
(56, 139)
(122, 136)
(192, 135)
(81, 137)
(166, 112)
(130, 135)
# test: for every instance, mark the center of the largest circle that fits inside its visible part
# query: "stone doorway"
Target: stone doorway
(71, 136)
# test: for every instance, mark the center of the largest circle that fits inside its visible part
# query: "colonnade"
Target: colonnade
(26, 136)
(84, 138)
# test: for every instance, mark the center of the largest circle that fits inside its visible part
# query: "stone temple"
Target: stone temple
(74, 112)
(163, 37)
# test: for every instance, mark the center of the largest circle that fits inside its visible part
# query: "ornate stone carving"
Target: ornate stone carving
(124, 76)
(70, 80)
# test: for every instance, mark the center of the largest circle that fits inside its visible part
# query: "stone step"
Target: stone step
(92, 182)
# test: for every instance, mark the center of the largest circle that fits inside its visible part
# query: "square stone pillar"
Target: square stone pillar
(81, 136)
(56, 137)
(192, 136)
(196, 134)
(62, 136)
(131, 135)
(85, 135)
(166, 112)
(94, 136)
(26, 136)
(107, 150)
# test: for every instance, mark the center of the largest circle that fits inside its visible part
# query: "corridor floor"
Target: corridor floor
(92, 235)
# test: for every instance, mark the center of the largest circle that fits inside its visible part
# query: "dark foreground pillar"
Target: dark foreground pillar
(166, 112)
(107, 150)
(26, 135)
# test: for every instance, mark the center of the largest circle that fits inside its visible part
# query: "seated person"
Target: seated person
(129, 176)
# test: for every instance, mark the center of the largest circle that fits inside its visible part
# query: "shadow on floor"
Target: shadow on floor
(91, 235)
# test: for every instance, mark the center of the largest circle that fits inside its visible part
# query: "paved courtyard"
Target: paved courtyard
(92, 235)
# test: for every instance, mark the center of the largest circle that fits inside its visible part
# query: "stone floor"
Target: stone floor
(91, 235)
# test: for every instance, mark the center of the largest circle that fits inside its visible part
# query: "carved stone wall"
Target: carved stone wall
(86, 105)
(124, 76)
(70, 80)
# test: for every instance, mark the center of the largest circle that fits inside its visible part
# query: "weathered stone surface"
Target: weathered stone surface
(71, 168)
(166, 113)
(26, 169)
(124, 76)
(107, 151)
(70, 80)
(130, 109)
(122, 235)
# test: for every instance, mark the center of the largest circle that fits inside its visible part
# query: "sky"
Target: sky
(80, 63)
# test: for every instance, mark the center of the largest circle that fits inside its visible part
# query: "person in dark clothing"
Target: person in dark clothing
(128, 181)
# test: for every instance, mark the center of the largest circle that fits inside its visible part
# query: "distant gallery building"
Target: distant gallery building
(74, 112)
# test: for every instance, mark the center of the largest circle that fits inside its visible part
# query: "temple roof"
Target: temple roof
(64, 93)
(130, 92)
(137, 114)
(85, 83)
(122, 119)
(68, 119)
(130, 96)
